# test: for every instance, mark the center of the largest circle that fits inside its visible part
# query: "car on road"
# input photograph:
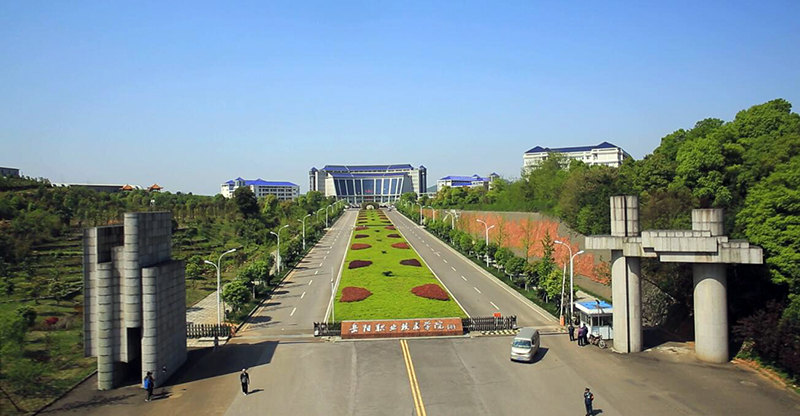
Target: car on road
(525, 345)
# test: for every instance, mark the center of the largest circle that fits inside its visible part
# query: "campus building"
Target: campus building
(474, 181)
(368, 183)
(9, 172)
(603, 154)
(100, 187)
(284, 191)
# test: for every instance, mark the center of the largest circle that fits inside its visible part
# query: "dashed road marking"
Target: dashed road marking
(495, 306)
(438, 254)
(465, 279)
(301, 296)
(444, 260)
(476, 289)
(293, 310)
(312, 281)
(315, 273)
(454, 269)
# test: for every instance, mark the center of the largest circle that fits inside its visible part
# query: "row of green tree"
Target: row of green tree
(749, 166)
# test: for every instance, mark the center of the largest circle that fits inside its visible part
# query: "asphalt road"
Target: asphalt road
(304, 295)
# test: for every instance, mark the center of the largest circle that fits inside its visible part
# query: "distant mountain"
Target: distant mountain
(432, 188)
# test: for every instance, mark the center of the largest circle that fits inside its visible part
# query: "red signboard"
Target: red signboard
(399, 328)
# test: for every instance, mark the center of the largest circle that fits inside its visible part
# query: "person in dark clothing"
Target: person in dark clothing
(588, 397)
(584, 333)
(245, 379)
(148, 383)
(571, 330)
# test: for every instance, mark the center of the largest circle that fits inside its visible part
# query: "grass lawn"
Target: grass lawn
(391, 295)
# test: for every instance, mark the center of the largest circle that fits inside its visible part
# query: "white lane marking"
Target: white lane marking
(293, 310)
(315, 273)
(476, 289)
(321, 264)
(328, 252)
(324, 257)
(465, 279)
(301, 296)
(444, 260)
(454, 269)
(312, 281)
(438, 254)
(495, 306)
(433, 249)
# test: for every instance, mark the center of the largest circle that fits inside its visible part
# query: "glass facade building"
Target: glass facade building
(370, 183)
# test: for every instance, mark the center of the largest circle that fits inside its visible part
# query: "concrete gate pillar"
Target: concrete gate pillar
(710, 296)
(625, 277)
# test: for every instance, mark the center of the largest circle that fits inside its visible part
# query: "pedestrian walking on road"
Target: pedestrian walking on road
(245, 379)
(147, 384)
(588, 397)
(571, 330)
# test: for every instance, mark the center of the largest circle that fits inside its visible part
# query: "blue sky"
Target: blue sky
(192, 94)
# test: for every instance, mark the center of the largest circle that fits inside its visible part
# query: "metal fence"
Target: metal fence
(327, 329)
(208, 330)
(491, 323)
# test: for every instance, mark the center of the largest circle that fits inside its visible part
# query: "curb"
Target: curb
(61, 396)
(766, 373)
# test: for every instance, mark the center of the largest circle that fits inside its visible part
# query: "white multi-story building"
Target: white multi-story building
(473, 181)
(604, 153)
(284, 191)
(9, 172)
(368, 183)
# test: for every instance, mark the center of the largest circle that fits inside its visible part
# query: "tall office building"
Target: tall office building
(368, 183)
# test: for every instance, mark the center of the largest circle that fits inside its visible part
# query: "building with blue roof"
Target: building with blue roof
(284, 191)
(605, 153)
(474, 181)
(368, 183)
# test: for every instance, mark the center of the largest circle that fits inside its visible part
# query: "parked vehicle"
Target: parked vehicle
(525, 345)
(596, 339)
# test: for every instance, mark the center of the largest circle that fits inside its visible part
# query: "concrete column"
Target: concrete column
(625, 216)
(626, 288)
(150, 335)
(132, 283)
(105, 327)
(708, 219)
(711, 312)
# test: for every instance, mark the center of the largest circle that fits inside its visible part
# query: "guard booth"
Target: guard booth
(597, 316)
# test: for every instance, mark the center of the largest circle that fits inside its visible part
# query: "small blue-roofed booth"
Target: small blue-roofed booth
(597, 316)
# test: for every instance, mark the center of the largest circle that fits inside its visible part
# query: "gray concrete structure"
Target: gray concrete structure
(134, 299)
(704, 246)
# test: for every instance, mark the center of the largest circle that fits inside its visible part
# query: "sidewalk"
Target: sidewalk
(203, 312)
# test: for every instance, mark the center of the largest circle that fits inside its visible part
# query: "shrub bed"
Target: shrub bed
(358, 263)
(430, 291)
(411, 262)
(390, 227)
(360, 228)
(359, 246)
(394, 236)
(354, 294)
(361, 236)
(401, 245)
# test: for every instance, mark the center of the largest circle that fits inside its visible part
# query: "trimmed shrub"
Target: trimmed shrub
(359, 228)
(411, 262)
(430, 291)
(387, 273)
(361, 236)
(354, 294)
(401, 245)
(359, 246)
(394, 236)
(390, 227)
(358, 263)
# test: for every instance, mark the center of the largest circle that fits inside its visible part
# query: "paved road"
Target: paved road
(478, 292)
(304, 296)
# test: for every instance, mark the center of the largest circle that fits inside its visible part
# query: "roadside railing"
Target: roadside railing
(327, 329)
(492, 323)
(194, 331)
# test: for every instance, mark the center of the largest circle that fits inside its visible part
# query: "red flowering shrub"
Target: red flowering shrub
(394, 236)
(430, 291)
(359, 246)
(51, 321)
(354, 294)
(390, 227)
(358, 263)
(411, 262)
(361, 228)
(400, 245)
(361, 236)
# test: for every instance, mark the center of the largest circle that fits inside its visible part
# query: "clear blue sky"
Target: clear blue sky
(190, 95)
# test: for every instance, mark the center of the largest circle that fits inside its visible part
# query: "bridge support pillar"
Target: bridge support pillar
(710, 295)
(626, 286)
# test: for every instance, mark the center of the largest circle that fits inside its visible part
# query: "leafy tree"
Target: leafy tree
(236, 294)
(514, 266)
(479, 248)
(246, 201)
(466, 242)
(503, 255)
(546, 263)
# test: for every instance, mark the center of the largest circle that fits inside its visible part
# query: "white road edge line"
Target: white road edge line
(339, 276)
(476, 289)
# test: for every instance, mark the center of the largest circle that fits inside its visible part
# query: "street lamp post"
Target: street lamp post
(219, 278)
(318, 211)
(304, 231)
(434, 211)
(487, 239)
(326, 215)
(571, 278)
(278, 234)
(420, 213)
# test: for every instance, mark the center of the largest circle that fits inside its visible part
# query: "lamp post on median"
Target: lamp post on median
(326, 215)
(278, 234)
(434, 211)
(420, 212)
(219, 278)
(485, 225)
(318, 211)
(304, 231)
(571, 278)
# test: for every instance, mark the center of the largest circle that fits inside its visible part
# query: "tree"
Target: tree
(514, 266)
(479, 248)
(546, 263)
(236, 294)
(502, 255)
(466, 242)
(527, 239)
(246, 201)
